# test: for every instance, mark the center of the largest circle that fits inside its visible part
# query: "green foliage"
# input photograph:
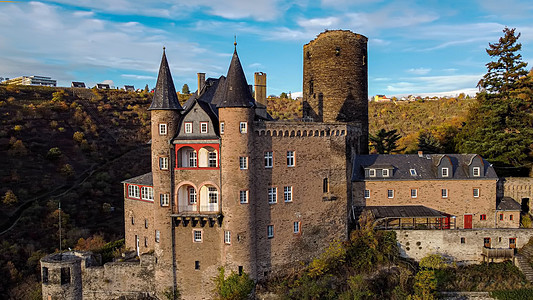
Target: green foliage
(358, 289)
(233, 287)
(334, 255)
(428, 144)
(385, 141)
(172, 294)
(425, 285)
(67, 170)
(185, 89)
(433, 262)
(78, 137)
(54, 153)
(111, 250)
(525, 220)
(513, 294)
(10, 198)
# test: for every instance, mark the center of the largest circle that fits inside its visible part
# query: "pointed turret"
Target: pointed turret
(165, 93)
(237, 93)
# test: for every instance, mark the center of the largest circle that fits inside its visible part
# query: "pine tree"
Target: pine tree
(385, 142)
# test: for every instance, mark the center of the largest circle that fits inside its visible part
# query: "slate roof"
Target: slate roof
(404, 211)
(508, 203)
(145, 179)
(236, 89)
(165, 96)
(425, 166)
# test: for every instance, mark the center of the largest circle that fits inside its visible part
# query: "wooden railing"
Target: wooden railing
(498, 252)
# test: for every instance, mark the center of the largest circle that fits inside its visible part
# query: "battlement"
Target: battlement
(305, 129)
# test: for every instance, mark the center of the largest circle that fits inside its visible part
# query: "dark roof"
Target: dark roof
(78, 84)
(508, 203)
(145, 179)
(237, 93)
(129, 88)
(165, 96)
(404, 211)
(425, 166)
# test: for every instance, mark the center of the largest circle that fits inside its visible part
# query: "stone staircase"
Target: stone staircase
(522, 261)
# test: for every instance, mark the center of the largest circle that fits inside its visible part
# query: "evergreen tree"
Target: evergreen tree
(385, 141)
(427, 143)
(185, 89)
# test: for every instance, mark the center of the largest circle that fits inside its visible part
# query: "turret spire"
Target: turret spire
(165, 93)
(237, 93)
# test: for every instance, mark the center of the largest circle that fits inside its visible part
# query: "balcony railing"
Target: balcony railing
(497, 252)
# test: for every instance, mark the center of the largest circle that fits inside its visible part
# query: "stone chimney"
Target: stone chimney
(260, 87)
(201, 82)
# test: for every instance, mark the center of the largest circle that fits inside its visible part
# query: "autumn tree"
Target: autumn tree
(385, 141)
(185, 89)
(10, 198)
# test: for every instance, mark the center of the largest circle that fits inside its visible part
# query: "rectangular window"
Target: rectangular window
(476, 192)
(164, 199)
(157, 236)
(475, 171)
(367, 194)
(197, 265)
(372, 172)
(163, 163)
(145, 241)
(193, 159)
(414, 193)
(133, 191)
(162, 129)
(132, 221)
(296, 227)
(483, 217)
(444, 172)
(212, 162)
(212, 194)
(203, 127)
(192, 196)
(147, 193)
(227, 237)
(243, 127)
(65, 275)
(197, 236)
(45, 275)
(188, 127)
(463, 240)
(272, 195)
(270, 231)
(221, 127)
(501, 217)
(325, 185)
(385, 172)
(269, 159)
(444, 193)
(243, 197)
(243, 162)
(287, 193)
(146, 223)
(511, 217)
(412, 172)
(290, 158)
(390, 193)
(486, 242)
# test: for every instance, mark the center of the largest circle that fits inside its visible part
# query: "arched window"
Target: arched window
(209, 198)
(187, 158)
(187, 198)
(208, 157)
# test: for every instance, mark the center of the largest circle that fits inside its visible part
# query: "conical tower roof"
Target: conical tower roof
(165, 93)
(237, 93)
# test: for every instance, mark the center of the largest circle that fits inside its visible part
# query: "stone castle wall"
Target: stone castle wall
(518, 188)
(138, 220)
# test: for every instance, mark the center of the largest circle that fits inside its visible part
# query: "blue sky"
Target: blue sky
(415, 47)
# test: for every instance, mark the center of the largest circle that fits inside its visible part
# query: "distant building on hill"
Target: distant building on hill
(381, 98)
(77, 84)
(103, 86)
(129, 88)
(32, 80)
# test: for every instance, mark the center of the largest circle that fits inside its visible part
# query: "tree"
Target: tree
(185, 89)
(234, 287)
(427, 143)
(385, 142)
(146, 89)
(283, 95)
(10, 198)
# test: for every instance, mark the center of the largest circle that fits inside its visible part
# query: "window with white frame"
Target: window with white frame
(390, 193)
(197, 236)
(272, 195)
(290, 158)
(414, 193)
(385, 172)
(147, 193)
(133, 191)
(192, 195)
(212, 194)
(164, 199)
(444, 172)
(157, 236)
(367, 194)
(476, 171)
(270, 231)
(227, 237)
(163, 163)
(243, 127)
(188, 127)
(287, 193)
(243, 162)
(203, 127)
(193, 159)
(269, 159)
(476, 192)
(296, 227)
(372, 172)
(221, 127)
(212, 159)
(243, 196)
(162, 129)
(412, 172)
(444, 193)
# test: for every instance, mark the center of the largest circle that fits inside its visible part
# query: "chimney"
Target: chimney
(201, 82)
(260, 87)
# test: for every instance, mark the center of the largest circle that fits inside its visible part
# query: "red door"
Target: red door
(468, 221)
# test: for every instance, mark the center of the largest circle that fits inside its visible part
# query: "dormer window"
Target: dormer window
(372, 172)
(385, 172)
(188, 127)
(476, 172)
(412, 172)
(444, 172)
(203, 127)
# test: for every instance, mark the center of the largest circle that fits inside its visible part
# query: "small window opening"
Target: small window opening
(337, 51)
(462, 240)
(240, 270)
(45, 275)
(197, 265)
(65, 275)
(325, 185)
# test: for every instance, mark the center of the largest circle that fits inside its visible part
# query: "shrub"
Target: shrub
(513, 294)
(10, 198)
(17, 128)
(78, 136)
(54, 153)
(18, 149)
(67, 170)
(234, 287)
(526, 221)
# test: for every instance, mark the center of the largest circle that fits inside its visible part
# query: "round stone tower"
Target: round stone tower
(61, 276)
(335, 79)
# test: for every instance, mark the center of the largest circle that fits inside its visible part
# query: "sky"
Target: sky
(426, 47)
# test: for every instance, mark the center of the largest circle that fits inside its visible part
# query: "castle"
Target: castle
(231, 187)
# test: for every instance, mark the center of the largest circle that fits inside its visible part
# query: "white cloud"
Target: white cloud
(419, 71)
(143, 77)
(434, 84)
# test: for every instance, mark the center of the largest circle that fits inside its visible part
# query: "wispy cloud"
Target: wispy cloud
(419, 71)
(434, 84)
